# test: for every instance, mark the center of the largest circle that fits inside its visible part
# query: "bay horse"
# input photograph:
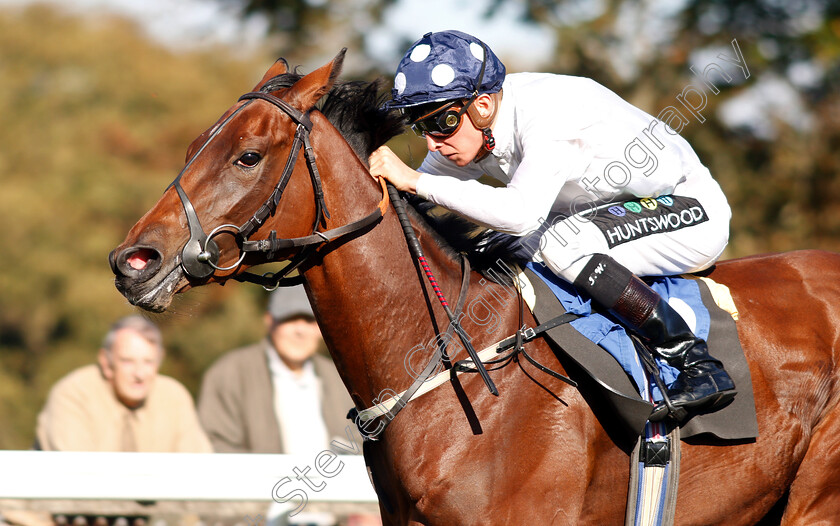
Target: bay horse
(538, 453)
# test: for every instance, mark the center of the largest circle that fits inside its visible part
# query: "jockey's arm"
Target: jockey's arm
(517, 208)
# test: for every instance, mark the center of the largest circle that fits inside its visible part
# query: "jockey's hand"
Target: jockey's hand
(385, 163)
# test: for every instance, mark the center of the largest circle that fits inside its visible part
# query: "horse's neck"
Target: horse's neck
(367, 292)
(374, 309)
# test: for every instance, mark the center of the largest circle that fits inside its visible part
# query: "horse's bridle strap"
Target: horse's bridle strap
(273, 244)
(201, 253)
(295, 114)
(387, 407)
(270, 205)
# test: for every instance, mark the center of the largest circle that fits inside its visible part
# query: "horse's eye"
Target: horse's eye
(249, 159)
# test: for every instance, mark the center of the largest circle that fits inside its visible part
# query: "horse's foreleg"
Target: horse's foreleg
(815, 492)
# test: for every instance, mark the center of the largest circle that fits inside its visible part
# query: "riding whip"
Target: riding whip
(417, 251)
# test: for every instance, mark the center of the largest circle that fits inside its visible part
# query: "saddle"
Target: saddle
(606, 353)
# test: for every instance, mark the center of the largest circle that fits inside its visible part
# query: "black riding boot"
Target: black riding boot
(702, 381)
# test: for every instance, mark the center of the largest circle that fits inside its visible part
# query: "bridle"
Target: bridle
(200, 254)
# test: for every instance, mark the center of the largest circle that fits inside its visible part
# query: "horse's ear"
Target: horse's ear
(308, 90)
(278, 68)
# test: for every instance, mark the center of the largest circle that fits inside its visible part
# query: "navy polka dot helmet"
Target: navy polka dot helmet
(445, 66)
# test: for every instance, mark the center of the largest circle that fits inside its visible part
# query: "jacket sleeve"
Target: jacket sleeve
(65, 422)
(518, 207)
(190, 437)
(335, 403)
(220, 410)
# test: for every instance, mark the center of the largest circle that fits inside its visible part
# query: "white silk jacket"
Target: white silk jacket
(563, 144)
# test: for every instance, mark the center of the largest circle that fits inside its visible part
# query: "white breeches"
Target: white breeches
(684, 232)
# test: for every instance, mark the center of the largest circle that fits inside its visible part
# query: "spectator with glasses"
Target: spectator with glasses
(594, 178)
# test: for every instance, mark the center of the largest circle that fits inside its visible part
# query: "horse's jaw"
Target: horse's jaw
(154, 295)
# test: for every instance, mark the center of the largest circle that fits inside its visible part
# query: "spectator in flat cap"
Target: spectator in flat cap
(279, 395)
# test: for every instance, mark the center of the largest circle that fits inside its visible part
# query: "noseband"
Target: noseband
(200, 254)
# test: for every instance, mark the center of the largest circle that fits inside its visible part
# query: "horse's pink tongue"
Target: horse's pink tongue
(137, 263)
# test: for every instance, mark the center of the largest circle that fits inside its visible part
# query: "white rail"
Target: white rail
(183, 477)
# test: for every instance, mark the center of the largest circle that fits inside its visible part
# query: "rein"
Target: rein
(200, 255)
(417, 251)
(384, 412)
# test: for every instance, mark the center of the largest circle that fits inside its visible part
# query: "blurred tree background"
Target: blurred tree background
(96, 121)
(97, 117)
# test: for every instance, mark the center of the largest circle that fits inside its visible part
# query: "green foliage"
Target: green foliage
(307, 30)
(783, 188)
(96, 122)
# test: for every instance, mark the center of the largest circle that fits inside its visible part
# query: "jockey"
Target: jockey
(603, 191)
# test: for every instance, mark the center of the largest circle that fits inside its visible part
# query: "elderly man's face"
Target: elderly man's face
(131, 368)
(296, 340)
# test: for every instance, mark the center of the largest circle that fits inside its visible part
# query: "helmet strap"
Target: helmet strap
(489, 140)
(489, 144)
(483, 123)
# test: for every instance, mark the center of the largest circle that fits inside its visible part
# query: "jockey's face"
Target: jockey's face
(465, 144)
(461, 147)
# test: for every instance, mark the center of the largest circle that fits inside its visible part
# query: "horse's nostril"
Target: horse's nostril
(135, 261)
(140, 259)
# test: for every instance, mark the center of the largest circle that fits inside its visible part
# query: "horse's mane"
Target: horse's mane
(356, 109)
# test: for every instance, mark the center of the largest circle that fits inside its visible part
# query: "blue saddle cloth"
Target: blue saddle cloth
(681, 293)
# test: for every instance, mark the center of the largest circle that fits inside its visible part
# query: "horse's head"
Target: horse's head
(231, 186)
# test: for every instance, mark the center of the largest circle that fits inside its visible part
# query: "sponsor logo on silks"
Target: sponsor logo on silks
(665, 200)
(681, 212)
(616, 211)
(649, 203)
(633, 206)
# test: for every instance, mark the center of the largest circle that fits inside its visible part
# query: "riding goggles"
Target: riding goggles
(441, 122)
